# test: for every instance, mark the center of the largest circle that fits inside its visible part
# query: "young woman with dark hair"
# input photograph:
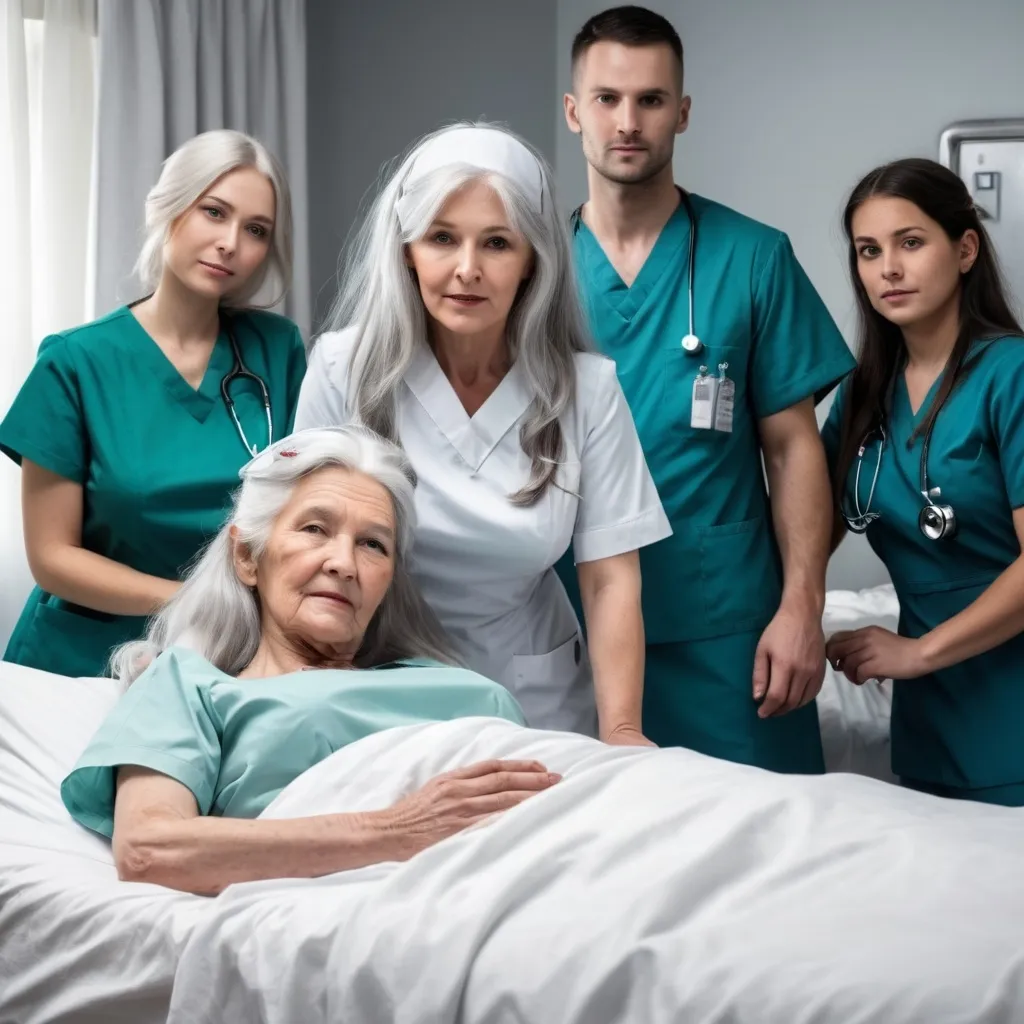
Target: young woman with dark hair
(926, 446)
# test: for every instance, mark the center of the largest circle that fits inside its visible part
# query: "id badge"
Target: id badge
(705, 390)
(725, 400)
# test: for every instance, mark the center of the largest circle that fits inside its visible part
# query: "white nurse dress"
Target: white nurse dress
(483, 564)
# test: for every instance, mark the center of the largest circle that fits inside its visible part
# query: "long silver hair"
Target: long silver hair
(380, 298)
(218, 616)
(187, 175)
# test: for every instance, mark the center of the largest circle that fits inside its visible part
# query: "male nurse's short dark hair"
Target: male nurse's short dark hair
(628, 26)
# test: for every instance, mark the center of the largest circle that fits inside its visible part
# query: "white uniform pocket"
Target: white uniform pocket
(554, 689)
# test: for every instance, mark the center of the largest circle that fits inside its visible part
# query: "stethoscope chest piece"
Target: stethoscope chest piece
(692, 344)
(936, 522)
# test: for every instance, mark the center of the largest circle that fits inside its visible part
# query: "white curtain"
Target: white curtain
(46, 157)
(170, 69)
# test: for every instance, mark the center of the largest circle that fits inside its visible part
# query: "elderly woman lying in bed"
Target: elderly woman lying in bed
(297, 632)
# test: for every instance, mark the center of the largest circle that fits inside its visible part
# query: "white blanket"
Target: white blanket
(648, 886)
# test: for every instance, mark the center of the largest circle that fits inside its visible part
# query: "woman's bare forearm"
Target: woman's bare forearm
(610, 591)
(205, 854)
(95, 581)
(53, 509)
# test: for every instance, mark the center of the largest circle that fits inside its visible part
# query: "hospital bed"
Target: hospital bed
(647, 886)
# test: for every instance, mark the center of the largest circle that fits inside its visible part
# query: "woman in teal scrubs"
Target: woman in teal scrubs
(128, 447)
(926, 443)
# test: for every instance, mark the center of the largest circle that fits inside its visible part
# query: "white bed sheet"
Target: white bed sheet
(76, 945)
(650, 886)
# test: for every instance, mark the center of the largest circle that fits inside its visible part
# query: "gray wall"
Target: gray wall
(380, 74)
(794, 99)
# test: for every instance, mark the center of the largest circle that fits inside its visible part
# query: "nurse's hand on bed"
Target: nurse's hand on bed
(875, 653)
(789, 664)
(458, 799)
(628, 736)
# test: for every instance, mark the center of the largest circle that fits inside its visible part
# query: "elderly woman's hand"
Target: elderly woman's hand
(461, 798)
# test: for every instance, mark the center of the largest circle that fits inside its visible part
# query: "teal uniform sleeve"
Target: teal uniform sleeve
(1007, 417)
(296, 373)
(164, 723)
(830, 429)
(799, 352)
(46, 422)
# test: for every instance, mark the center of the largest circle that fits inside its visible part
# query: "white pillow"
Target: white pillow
(46, 721)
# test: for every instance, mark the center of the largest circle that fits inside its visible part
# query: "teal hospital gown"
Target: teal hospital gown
(236, 743)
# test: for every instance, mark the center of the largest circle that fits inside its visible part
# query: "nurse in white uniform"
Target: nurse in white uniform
(458, 334)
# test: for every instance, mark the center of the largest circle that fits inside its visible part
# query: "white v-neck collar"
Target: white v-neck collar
(474, 438)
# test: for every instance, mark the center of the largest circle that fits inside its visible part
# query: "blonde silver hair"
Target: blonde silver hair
(187, 175)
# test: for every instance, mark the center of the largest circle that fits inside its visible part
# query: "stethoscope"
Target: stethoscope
(692, 345)
(240, 370)
(935, 521)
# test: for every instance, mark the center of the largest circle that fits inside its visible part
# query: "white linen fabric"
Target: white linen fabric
(648, 885)
(77, 946)
(854, 720)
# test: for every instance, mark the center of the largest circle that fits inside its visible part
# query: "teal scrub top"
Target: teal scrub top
(962, 726)
(157, 459)
(720, 572)
(236, 743)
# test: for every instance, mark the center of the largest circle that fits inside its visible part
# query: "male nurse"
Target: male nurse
(723, 348)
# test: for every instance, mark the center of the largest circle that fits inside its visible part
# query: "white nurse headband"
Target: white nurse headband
(487, 149)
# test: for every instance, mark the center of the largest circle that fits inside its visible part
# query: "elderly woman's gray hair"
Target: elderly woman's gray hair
(380, 296)
(215, 614)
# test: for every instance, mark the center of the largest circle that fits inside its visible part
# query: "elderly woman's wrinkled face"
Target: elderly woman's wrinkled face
(328, 563)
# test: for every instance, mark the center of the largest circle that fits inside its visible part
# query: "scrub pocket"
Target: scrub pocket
(740, 576)
(659, 392)
(681, 370)
(556, 668)
(67, 643)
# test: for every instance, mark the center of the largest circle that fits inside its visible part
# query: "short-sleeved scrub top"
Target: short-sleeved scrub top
(960, 727)
(157, 459)
(236, 743)
(712, 586)
(483, 564)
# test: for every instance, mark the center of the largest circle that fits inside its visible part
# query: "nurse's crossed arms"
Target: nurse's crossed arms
(129, 447)
(458, 334)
